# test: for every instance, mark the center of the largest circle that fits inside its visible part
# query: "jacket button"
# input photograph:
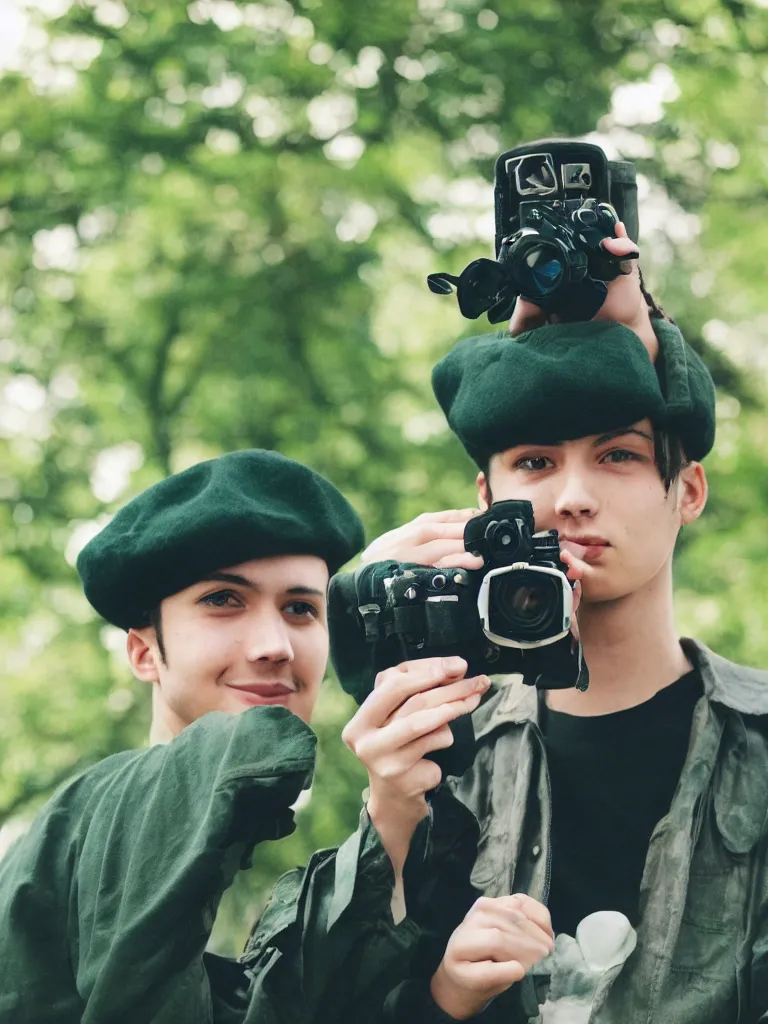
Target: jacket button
(536, 852)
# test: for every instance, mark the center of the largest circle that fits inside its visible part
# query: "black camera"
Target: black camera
(555, 202)
(524, 598)
(511, 616)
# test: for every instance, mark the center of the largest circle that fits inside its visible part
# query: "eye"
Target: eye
(621, 455)
(534, 463)
(301, 610)
(222, 599)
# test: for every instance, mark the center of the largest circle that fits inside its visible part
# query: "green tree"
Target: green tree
(215, 224)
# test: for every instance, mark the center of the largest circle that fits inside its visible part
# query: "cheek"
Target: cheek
(507, 485)
(203, 646)
(311, 649)
(650, 529)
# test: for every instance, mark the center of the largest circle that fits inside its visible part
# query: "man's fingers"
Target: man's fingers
(407, 765)
(432, 530)
(463, 560)
(525, 316)
(621, 247)
(491, 976)
(576, 567)
(385, 758)
(432, 552)
(394, 686)
(533, 910)
(450, 515)
(398, 543)
(404, 731)
(577, 591)
(442, 695)
(525, 942)
(509, 912)
(627, 250)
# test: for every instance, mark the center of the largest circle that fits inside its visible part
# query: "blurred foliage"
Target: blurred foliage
(215, 224)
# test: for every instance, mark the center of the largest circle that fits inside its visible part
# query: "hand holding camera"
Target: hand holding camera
(495, 945)
(402, 720)
(513, 615)
(433, 538)
(566, 233)
(624, 302)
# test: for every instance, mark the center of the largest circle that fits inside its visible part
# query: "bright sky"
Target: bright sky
(13, 23)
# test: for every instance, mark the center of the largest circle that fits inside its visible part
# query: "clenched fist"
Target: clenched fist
(495, 945)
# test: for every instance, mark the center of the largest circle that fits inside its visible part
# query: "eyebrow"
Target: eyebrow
(609, 436)
(242, 581)
(621, 432)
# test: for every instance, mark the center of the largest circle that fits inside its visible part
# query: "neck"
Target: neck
(165, 723)
(631, 648)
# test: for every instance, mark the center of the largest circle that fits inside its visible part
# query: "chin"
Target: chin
(597, 591)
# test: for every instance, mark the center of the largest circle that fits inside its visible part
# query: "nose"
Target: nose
(576, 499)
(268, 638)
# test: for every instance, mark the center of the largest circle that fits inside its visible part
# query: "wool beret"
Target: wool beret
(569, 380)
(243, 505)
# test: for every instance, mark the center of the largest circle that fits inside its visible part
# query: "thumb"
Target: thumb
(525, 317)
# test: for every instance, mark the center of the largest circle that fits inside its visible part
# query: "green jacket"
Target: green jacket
(702, 950)
(107, 902)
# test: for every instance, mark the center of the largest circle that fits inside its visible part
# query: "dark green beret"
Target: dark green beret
(244, 505)
(563, 381)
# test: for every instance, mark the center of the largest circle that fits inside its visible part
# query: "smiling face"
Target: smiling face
(248, 635)
(605, 496)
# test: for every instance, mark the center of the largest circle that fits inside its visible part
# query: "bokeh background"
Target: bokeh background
(216, 220)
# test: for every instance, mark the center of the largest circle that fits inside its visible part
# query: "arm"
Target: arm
(113, 891)
(164, 841)
(404, 719)
(328, 936)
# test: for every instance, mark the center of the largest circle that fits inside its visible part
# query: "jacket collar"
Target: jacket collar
(734, 686)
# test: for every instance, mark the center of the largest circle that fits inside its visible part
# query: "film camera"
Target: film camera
(555, 201)
(513, 615)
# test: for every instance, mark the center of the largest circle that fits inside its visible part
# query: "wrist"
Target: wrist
(395, 821)
(452, 1000)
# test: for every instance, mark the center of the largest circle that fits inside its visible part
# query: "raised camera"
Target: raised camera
(555, 201)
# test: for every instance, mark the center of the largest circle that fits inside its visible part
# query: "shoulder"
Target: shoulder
(74, 796)
(738, 687)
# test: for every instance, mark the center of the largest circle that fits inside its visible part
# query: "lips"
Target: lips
(587, 548)
(263, 693)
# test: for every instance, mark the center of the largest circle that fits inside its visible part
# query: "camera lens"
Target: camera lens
(540, 271)
(526, 605)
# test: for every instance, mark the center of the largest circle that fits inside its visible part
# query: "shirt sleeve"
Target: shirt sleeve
(327, 936)
(134, 857)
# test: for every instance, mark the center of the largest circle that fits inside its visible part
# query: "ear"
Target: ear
(143, 654)
(483, 492)
(692, 491)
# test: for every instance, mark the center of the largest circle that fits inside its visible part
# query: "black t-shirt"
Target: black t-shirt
(613, 778)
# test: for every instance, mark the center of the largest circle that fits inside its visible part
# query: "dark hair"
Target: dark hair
(156, 621)
(655, 310)
(669, 455)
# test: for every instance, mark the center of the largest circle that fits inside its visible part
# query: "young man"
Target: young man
(219, 576)
(633, 816)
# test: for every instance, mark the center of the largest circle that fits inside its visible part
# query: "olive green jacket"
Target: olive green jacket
(702, 950)
(107, 902)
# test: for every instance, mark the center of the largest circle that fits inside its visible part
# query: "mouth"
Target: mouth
(255, 694)
(587, 547)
